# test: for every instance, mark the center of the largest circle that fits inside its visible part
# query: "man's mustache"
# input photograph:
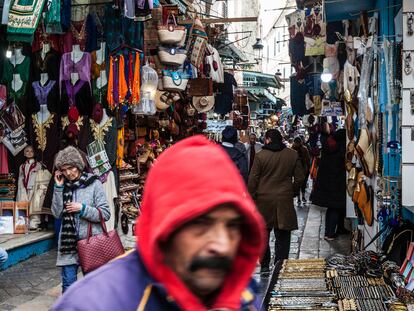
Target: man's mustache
(219, 263)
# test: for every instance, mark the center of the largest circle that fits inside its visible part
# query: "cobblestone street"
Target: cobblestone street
(35, 283)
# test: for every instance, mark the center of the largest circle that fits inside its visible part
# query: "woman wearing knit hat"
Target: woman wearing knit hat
(77, 196)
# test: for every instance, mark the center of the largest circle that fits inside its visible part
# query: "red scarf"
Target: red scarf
(27, 176)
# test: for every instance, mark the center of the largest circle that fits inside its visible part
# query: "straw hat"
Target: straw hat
(203, 103)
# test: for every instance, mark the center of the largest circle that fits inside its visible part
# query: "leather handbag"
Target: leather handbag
(97, 250)
(201, 87)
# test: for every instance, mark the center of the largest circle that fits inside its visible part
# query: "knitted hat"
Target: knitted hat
(229, 134)
(69, 156)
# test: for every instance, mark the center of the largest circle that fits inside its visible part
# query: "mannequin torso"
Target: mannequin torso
(17, 58)
(44, 77)
(76, 54)
(102, 80)
(45, 50)
(43, 114)
(17, 82)
(100, 54)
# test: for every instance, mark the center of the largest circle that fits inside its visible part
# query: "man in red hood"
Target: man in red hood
(198, 240)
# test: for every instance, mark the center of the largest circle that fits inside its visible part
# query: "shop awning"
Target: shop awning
(262, 79)
(260, 92)
(230, 51)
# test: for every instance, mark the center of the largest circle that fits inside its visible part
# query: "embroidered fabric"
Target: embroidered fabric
(40, 130)
(22, 69)
(82, 67)
(42, 92)
(76, 35)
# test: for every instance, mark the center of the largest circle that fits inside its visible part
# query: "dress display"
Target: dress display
(78, 95)
(45, 138)
(68, 66)
(27, 178)
(47, 94)
(49, 64)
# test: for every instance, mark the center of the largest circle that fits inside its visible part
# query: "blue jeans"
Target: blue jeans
(69, 276)
(3, 256)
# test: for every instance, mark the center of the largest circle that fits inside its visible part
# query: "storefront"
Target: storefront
(354, 71)
(121, 83)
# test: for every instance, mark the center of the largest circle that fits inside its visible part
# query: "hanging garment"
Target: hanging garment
(50, 65)
(121, 30)
(23, 69)
(82, 67)
(40, 36)
(78, 95)
(83, 131)
(45, 138)
(43, 95)
(95, 67)
(111, 193)
(99, 93)
(117, 85)
(4, 163)
(76, 35)
(24, 17)
(107, 133)
(53, 23)
(298, 91)
(224, 98)
(27, 177)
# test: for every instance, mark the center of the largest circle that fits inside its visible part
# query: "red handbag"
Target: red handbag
(97, 250)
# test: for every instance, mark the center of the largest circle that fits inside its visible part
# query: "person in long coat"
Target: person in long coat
(330, 185)
(275, 178)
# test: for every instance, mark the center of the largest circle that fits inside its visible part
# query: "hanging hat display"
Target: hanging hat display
(203, 103)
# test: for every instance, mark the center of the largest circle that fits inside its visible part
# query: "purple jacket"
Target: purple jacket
(124, 285)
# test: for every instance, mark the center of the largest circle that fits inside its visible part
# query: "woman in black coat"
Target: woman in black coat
(330, 186)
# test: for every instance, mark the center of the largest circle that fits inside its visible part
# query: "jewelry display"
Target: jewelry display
(410, 19)
(407, 63)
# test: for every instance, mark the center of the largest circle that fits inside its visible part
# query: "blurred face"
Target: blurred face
(70, 172)
(252, 138)
(202, 251)
(29, 153)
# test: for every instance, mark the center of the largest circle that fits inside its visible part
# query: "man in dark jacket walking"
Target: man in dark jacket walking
(198, 240)
(239, 158)
(275, 178)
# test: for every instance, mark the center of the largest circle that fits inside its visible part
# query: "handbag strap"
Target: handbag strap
(103, 226)
(173, 18)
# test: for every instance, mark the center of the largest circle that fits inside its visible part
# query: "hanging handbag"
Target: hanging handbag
(171, 33)
(174, 80)
(201, 87)
(172, 56)
(97, 250)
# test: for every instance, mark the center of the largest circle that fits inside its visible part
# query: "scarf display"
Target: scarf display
(68, 237)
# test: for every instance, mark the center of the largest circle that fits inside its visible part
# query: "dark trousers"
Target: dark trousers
(303, 188)
(69, 276)
(333, 217)
(282, 246)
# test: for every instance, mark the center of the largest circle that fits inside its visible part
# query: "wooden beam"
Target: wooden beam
(221, 20)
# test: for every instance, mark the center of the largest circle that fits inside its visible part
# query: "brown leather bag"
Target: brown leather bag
(97, 250)
(201, 87)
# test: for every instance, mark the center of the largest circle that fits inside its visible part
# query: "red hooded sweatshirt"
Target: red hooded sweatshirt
(188, 180)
